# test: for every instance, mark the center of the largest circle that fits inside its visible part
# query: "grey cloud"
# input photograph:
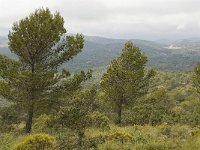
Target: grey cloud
(87, 10)
(147, 19)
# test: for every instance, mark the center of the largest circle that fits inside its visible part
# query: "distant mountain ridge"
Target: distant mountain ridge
(99, 51)
(181, 55)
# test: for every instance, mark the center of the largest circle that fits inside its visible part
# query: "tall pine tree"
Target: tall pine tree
(42, 46)
(126, 79)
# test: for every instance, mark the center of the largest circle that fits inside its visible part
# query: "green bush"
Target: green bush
(165, 129)
(9, 118)
(36, 142)
(41, 123)
(7, 140)
(121, 136)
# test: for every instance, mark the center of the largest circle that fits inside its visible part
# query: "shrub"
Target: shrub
(41, 123)
(36, 142)
(9, 118)
(7, 140)
(121, 136)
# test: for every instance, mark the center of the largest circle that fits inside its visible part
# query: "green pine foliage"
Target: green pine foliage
(126, 78)
(80, 113)
(34, 80)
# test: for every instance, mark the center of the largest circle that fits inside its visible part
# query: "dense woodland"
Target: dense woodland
(126, 106)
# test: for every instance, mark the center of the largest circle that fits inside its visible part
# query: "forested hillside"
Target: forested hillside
(98, 52)
(72, 92)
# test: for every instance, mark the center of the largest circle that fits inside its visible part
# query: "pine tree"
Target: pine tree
(154, 108)
(126, 79)
(42, 46)
(81, 113)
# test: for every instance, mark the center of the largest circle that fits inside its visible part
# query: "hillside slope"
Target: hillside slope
(180, 55)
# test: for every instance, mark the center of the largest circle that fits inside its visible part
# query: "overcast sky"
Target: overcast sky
(143, 19)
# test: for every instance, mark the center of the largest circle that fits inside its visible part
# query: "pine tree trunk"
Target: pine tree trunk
(80, 139)
(31, 105)
(119, 113)
(29, 119)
